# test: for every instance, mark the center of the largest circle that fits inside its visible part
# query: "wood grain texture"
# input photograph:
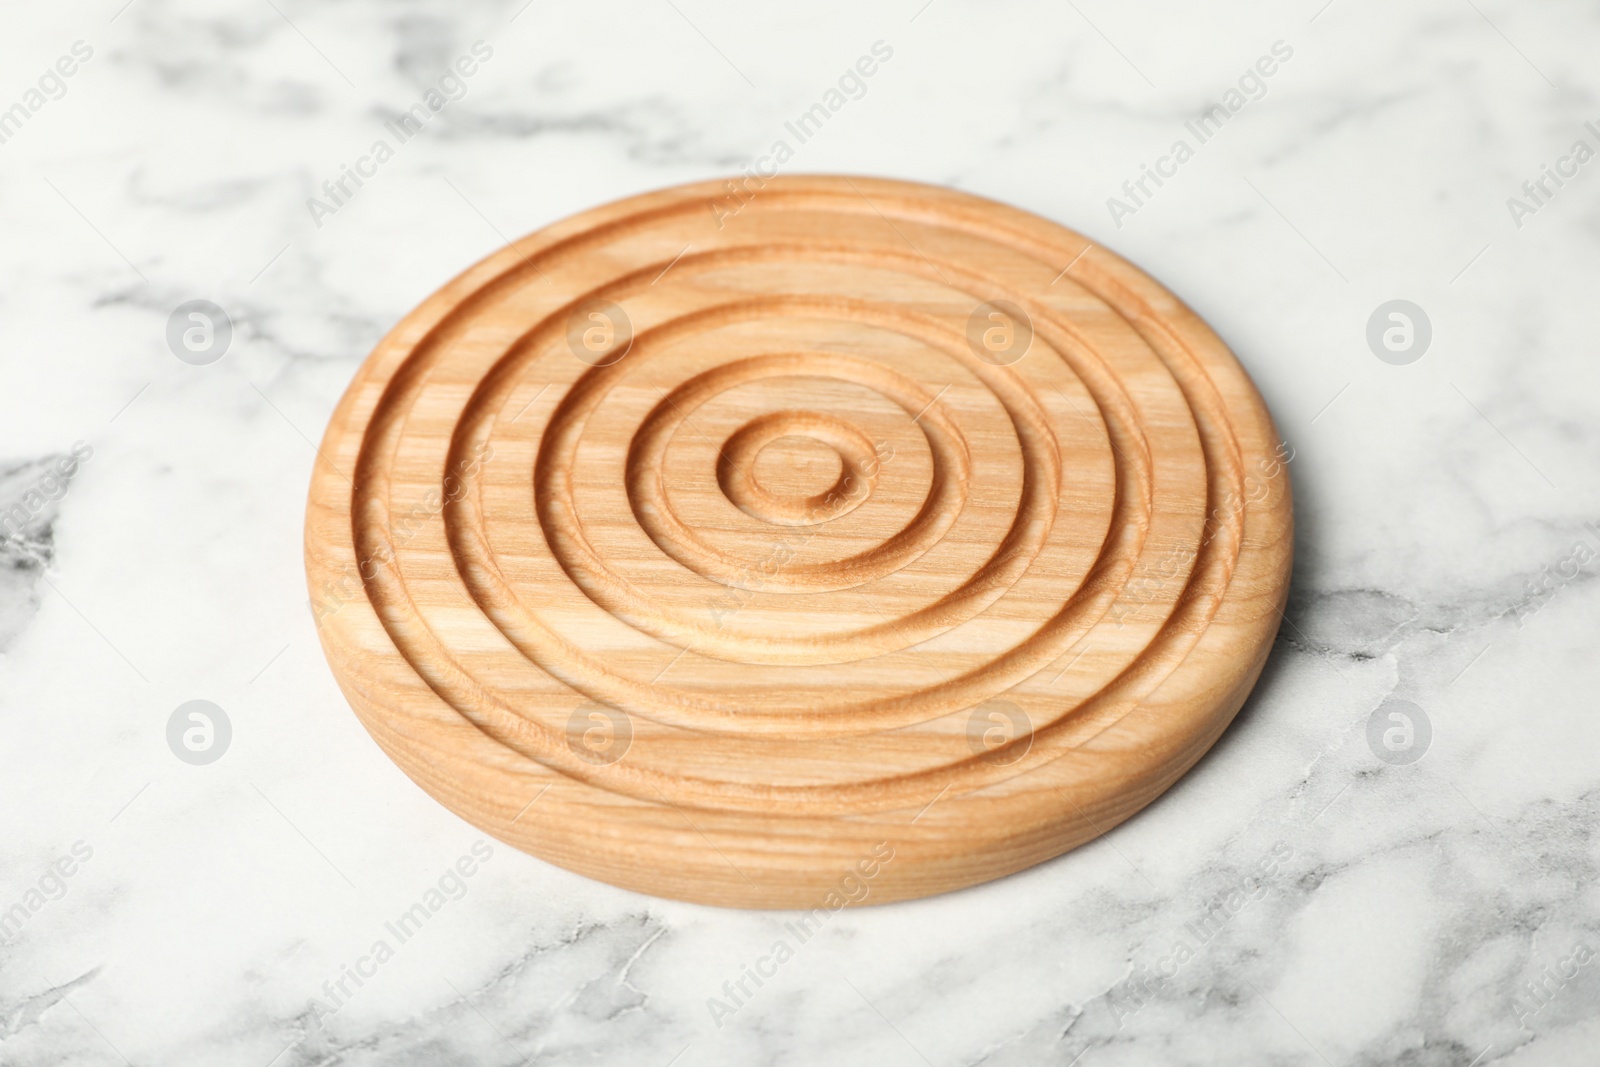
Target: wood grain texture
(866, 542)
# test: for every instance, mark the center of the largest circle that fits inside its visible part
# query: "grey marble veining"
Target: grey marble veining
(1305, 896)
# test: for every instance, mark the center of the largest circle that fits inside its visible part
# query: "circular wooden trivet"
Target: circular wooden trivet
(791, 544)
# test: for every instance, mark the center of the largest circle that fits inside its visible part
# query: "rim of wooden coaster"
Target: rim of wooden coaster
(583, 566)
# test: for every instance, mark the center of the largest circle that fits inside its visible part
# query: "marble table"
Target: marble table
(1390, 857)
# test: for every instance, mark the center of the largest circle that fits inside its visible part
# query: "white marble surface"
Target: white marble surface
(1401, 908)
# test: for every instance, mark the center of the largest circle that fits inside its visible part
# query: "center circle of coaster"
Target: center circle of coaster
(768, 464)
(790, 467)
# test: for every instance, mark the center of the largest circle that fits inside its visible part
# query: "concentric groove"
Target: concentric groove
(648, 493)
(591, 676)
(740, 459)
(595, 535)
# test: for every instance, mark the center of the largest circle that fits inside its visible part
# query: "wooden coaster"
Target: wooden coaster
(799, 543)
